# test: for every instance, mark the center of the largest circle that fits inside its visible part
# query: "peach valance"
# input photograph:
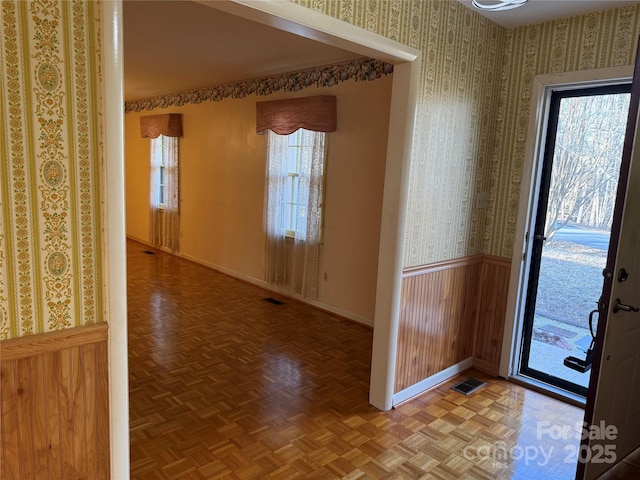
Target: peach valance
(167, 124)
(284, 117)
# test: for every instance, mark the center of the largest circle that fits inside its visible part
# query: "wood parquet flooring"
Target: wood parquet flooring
(225, 385)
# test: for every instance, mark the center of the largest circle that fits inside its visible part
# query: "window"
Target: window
(298, 148)
(159, 147)
(296, 134)
(165, 218)
(295, 177)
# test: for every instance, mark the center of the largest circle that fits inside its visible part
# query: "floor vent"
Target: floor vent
(148, 252)
(469, 386)
(274, 301)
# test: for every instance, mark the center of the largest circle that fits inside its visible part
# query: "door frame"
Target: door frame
(542, 87)
(307, 23)
(556, 96)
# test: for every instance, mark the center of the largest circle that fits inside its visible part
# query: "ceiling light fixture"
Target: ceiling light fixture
(498, 5)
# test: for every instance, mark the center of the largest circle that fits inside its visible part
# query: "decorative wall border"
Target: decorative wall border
(361, 69)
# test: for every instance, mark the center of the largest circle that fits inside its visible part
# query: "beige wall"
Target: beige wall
(222, 163)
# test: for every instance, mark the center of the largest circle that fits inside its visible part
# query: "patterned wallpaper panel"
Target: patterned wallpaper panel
(50, 257)
(596, 40)
(473, 110)
(460, 80)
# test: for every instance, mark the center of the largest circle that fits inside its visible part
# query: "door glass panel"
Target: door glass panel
(571, 238)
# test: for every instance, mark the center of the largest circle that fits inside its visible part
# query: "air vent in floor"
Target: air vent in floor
(274, 301)
(469, 386)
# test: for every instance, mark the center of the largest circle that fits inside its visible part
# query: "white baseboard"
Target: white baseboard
(432, 381)
(139, 240)
(267, 286)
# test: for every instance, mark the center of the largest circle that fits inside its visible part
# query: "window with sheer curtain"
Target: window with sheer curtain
(296, 149)
(165, 212)
(164, 131)
(294, 209)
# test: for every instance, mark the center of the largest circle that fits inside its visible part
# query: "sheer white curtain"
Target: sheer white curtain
(171, 222)
(155, 209)
(165, 218)
(294, 262)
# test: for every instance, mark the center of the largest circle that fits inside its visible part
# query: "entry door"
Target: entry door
(613, 403)
(570, 240)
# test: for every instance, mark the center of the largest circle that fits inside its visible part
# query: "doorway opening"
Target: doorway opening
(569, 233)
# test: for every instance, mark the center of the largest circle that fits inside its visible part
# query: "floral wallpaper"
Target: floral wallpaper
(363, 69)
(50, 275)
(466, 165)
(456, 111)
(473, 110)
(596, 40)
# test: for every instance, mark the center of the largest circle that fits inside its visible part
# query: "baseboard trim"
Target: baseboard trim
(432, 381)
(325, 307)
(139, 240)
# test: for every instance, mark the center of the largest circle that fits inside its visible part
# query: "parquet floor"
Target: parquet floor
(224, 384)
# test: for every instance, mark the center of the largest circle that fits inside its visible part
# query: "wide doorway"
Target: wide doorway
(569, 234)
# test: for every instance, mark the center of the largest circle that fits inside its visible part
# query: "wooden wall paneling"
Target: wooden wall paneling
(52, 385)
(10, 441)
(97, 413)
(451, 311)
(437, 319)
(102, 410)
(54, 402)
(24, 412)
(494, 290)
(66, 415)
(39, 409)
(2, 454)
(78, 411)
(90, 409)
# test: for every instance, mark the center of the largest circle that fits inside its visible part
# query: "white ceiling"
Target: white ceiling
(172, 46)
(538, 11)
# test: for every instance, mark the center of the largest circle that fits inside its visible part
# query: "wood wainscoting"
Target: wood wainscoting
(55, 408)
(451, 311)
(492, 304)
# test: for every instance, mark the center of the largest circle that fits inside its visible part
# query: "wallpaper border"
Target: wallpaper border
(361, 69)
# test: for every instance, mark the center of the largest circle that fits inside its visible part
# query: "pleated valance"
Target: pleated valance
(286, 116)
(167, 124)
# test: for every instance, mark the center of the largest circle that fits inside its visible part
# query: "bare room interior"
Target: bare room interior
(158, 340)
